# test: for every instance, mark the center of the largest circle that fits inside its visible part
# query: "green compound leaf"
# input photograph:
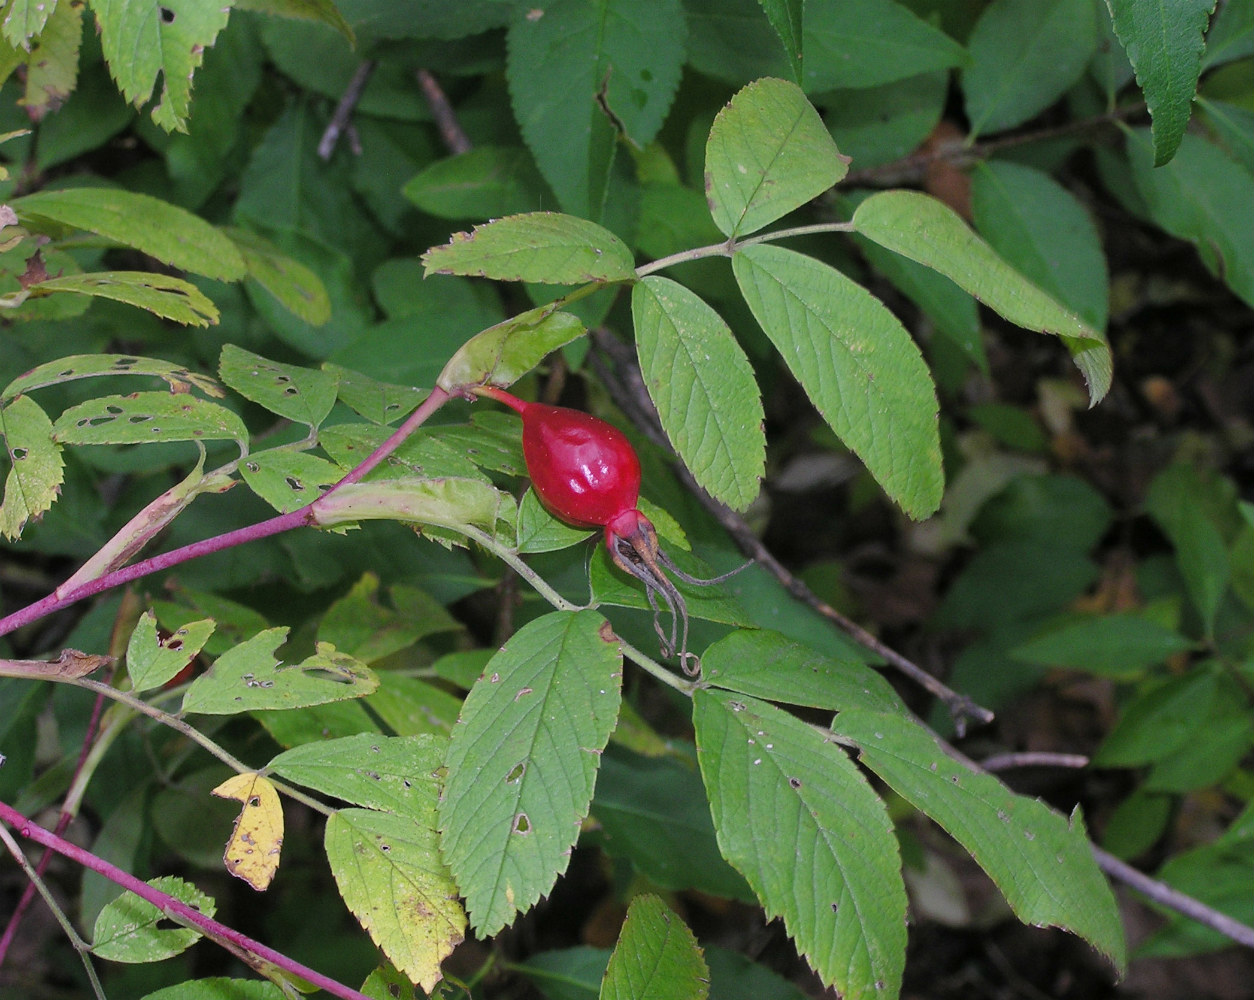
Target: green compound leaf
(857, 364)
(701, 382)
(866, 43)
(146, 417)
(304, 395)
(152, 660)
(296, 288)
(1024, 55)
(126, 929)
(160, 294)
(144, 38)
(379, 402)
(768, 152)
(830, 865)
(1164, 40)
(171, 234)
(36, 467)
(78, 366)
(249, 678)
(918, 226)
(523, 760)
(545, 247)
(1042, 863)
(656, 958)
(389, 871)
(786, 18)
(582, 72)
(288, 480)
(504, 353)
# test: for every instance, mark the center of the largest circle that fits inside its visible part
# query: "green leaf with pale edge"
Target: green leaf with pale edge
(766, 664)
(656, 958)
(127, 930)
(320, 11)
(523, 760)
(857, 364)
(700, 380)
(768, 152)
(396, 774)
(502, 354)
(545, 247)
(918, 226)
(390, 874)
(145, 417)
(857, 44)
(583, 71)
(171, 234)
(1042, 863)
(1024, 55)
(249, 678)
(151, 659)
(446, 503)
(288, 480)
(36, 467)
(490, 181)
(161, 294)
(829, 865)
(297, 288)
(1164, 40)
(304, 395)
(786, 18)
(146, 38)
(94, 365)
(379, 402)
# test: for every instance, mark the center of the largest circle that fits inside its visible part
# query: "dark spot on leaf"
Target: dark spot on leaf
(293, 483)
(606, 632)
(252, 466)
(835, 907)
(254, 801)
(794, 782)
(167, 15)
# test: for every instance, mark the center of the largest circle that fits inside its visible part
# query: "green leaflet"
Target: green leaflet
(142, 39)
(857, 364)
(830, 866)
(36, 467)
(320, 11)
(656, 957)
(1024, 55)
(523, 760)
(152, 660)
(1042, 863)
(304, 395)
(166, 296)
(1110, 645)
(447, 502)
(504, 353)
(379, 402)
(768, 153)
(918, 226)
(492, 181)
(92, 365)
(147, 417)
(249, 678)
(389, 871)
(296, 287)
(45, 38)
(288, 480)
(126, 929)
(171, 234)
(786, 18)
(583, 72)
(703, 387)
(545, 247)
(1164, 41)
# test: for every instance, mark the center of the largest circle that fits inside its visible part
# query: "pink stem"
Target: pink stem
(173, 907)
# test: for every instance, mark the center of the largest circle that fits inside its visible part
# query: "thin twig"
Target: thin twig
(445, 117)
(629, 392)
(342, 120)
(1040, 758)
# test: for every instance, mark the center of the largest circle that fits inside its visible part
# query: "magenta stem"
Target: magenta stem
(170, 905)
(264, 529)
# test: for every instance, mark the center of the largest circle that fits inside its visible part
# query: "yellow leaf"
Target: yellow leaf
(252, 853)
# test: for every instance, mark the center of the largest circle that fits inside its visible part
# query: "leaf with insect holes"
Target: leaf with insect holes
(504, 353)
(152, 660)
(78, 366)
(53, 33)
(160, 294)
(146, 417)
(545, 247)
(768, 153)
(171, 234)
(297, 288)
(700, 380)
(857, 364)
(918, 226)
(523, 760)
(25, 19)
(379, 402)
(1042, 862)
(36, 468)
(304, 395)
(657, 957)
(128, 929)
(252, 853)
(830, 865)
(389, 871)
(249, 678)
(288, 480)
